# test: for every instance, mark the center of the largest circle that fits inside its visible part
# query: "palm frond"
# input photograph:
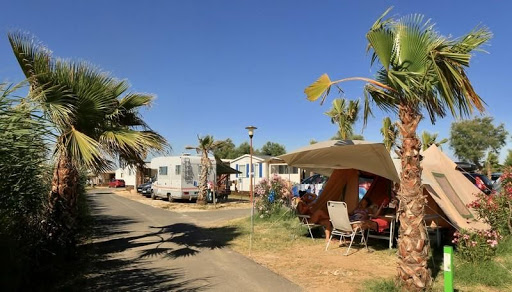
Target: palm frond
(135, 100)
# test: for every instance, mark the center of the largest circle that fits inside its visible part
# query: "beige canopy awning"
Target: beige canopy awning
(324, 157)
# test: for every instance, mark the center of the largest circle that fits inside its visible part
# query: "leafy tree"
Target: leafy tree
(351, 137)
(243, 148)
(344, 115)
(471, 140)
(206, 144)
(420, 71)
(389, 133)
(492, 164)
(508, 160)
(95, 120)
(272, 149)
(429, 139)
(226, 150)
(312, 141)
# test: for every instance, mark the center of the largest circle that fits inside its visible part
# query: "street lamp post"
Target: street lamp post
(251, 129)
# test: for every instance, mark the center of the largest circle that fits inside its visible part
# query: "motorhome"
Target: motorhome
(178, 177)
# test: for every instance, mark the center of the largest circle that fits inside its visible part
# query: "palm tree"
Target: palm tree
(429, 139)
(420, 72)
(389, 132)
(206, 144)
(94, 117)
(344, 115)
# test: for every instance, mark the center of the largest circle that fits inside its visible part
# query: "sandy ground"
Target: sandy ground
(315, 269)
(309, 266)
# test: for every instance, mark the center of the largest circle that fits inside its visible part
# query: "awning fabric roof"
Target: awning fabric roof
(223, 168)
(324, 157)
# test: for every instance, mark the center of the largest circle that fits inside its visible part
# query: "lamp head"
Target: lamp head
(251, 129)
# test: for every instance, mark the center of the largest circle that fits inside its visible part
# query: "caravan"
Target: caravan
(178, 177)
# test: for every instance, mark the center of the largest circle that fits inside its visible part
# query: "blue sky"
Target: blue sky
(219, 66)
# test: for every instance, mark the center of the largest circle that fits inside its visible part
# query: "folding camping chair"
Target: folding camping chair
(304, 220)
(341, 224)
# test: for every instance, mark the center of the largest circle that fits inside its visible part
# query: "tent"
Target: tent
(342, 161)
(324, 157)
(447, 191)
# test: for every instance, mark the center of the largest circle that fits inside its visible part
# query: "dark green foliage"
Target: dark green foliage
(272, 149)
(472, 139)
(24, 184)
(508, 160)
(226, 150)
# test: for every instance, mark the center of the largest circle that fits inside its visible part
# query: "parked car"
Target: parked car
(145, 188)
(480, 181)
(495, 176)
(116, 183)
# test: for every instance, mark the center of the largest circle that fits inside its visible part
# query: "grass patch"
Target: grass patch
(485, 275)
(281, 230)
(489, 274)
(380, 286)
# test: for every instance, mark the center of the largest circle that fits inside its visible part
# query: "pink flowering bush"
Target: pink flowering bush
(476, 245)
(271, 195)
(496, 209)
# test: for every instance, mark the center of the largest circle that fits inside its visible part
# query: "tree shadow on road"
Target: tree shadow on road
(107, 271)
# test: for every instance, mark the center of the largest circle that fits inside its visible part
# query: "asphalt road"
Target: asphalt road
(142, 248)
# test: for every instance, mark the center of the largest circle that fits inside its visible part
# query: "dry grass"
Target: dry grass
(284, 247)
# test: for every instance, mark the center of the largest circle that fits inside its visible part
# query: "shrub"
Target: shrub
(24, 185)
(496, 209)
(271, 195)
(476, 245)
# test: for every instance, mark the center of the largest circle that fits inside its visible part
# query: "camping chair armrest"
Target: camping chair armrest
(356, 222)
(303, 216)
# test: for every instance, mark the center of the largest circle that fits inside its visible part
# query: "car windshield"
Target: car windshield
(315, 179)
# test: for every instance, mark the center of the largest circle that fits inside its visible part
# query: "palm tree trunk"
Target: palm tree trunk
(203, 179)
(62, 201)
(413, 244)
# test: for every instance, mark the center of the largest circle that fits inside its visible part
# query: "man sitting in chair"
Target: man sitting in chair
(320, 217)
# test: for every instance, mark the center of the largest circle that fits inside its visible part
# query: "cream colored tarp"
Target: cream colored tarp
(324, 157)
(449, 188)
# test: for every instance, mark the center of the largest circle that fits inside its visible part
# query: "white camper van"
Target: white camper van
(178, 177)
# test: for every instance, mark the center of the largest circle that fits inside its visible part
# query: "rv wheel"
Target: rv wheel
(153, 196)
(169, 198)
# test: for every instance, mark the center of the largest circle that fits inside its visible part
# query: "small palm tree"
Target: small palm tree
(389, 132)
(419, 71)
(429, 139)
(94, 117)
(206, 144)
(344, 114)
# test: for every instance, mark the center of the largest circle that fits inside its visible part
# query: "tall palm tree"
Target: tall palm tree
(389, 133)
(429, 139)
(94, 117)
(344, 114)
(419, 72)
(206, 144)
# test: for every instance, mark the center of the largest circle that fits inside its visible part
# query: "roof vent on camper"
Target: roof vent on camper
(185, 154)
